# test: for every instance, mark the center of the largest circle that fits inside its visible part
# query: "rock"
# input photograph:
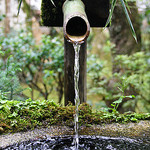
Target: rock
(140, 130)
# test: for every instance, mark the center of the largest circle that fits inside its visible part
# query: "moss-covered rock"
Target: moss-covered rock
(139, 131)
(18, 116)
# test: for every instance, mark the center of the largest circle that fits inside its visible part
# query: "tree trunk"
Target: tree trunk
(60, 86)
(7, 19)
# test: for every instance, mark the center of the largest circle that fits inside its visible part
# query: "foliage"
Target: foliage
(122, 88)
(99, 71)
(20, 116)
(39, 63)
(17, 115)
(95, 68)
(135, 70)
(125, 9)
(54, 68)
(9, 82)
(2, 17)
(134, 74)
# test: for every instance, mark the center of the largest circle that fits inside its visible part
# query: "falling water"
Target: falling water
(77, 100)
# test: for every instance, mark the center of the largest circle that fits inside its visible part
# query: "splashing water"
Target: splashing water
(77, 100)
(86, 143)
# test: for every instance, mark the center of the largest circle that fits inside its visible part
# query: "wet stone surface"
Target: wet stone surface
(135, 131)
(42, 133)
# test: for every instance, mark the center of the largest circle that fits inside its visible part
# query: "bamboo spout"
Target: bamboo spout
(76, 25)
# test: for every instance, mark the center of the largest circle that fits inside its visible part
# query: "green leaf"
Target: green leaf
(3, 101)
(18, 69)
(13, 115)
(127, 6)
(1, 53)
(19, 7)
(1, 107)
(119, 100)
(130, 96)
(110, 13)
(113, 105)
(128, 19)
(120, 89)
(134, 119)
(59, 70)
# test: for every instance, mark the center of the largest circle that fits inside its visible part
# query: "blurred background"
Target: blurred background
(32, 57)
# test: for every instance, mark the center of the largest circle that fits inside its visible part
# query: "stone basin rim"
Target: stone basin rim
(140, 130)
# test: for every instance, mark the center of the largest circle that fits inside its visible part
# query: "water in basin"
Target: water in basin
(85, 143)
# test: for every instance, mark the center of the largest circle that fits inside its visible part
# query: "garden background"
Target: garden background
(32, 58)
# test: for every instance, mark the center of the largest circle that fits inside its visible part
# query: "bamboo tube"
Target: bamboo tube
(76, 25)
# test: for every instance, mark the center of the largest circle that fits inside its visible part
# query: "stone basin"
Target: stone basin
(138, 131)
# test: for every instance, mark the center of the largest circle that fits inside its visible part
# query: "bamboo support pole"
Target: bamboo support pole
(76, 30)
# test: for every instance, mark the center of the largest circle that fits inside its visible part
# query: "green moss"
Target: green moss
(21, 116)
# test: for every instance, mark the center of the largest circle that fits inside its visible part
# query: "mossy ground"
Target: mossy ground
(18, 116)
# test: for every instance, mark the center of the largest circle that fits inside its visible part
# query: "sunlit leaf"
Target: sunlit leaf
(130, 96)
(14, 114)
(128, 19)
(1, 53)
(112, 105)
(53, 3)
(118, 101)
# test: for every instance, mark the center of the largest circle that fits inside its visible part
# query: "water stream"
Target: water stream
(77, 100)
